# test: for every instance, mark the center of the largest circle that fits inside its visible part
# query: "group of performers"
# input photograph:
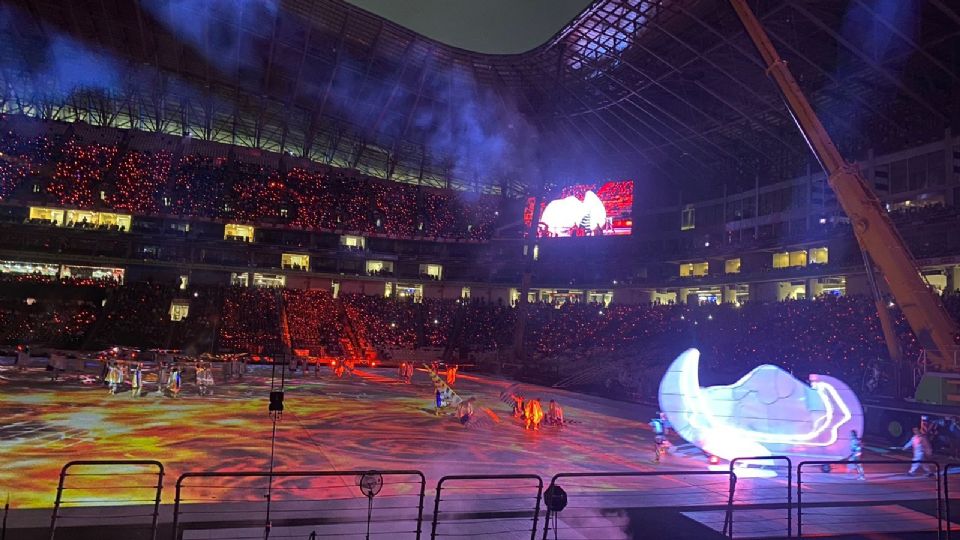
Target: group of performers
(117, 373)
(530, 411)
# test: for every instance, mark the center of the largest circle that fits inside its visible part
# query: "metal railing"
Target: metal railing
(331, 504)
(948, 513)
(390, 503)
(589, 509)
(88, 484)
(761, 495)
(834, 497)
(487, 505)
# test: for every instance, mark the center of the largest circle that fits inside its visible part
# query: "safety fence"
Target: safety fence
(892, 497)
(635, 504)
(951, 489)
(751, 498)
(762, 502)
(109, 493)
(494, 506)
(299, 504)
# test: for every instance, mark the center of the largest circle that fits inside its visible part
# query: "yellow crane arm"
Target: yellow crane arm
(935, 330)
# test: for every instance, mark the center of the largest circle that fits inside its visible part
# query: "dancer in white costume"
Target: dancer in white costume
(921, 451)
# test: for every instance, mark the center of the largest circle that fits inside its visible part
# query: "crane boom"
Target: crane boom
(935, 330)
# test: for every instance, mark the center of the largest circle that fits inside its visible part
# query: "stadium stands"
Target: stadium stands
(836, 335)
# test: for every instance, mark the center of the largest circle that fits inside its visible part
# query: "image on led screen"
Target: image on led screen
(586, 210)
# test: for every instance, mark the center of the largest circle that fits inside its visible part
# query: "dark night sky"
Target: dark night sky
(488, 26)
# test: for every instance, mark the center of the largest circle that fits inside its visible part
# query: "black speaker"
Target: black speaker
(555, 498)
(276, 401)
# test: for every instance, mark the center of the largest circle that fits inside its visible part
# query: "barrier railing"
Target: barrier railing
(888, 500)
(301, 504)
(613, 505)
(947, 505)
(759, 495)
(108, 492)
(487, 506)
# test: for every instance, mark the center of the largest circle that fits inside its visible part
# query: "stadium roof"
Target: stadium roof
(489, 26)
(668, 92)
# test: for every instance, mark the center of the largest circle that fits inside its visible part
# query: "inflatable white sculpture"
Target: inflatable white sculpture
(767, 412)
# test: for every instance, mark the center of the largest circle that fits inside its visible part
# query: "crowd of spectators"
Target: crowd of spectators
(250, 321)
(58, 324)
(135, 315)
(313, 319)
(114, 177)
(833, 335)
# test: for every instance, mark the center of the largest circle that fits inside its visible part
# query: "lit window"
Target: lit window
(781, 260)
(688, 218)
(295, 261)
(179, 309)
(235, 231)
(269, 280)
(819, 256)
(353, 242)
(732, 266)
(694, 269)
(379, 267)
(434, 271)
(798, 258)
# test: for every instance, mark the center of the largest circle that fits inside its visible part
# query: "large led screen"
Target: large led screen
(586, 210)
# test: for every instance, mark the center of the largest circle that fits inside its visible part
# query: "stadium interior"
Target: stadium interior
(295, 199)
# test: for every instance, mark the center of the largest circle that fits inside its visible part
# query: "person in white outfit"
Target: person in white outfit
(921, 451)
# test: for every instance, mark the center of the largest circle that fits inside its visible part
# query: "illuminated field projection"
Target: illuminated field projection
(767, 412)
(368, 421)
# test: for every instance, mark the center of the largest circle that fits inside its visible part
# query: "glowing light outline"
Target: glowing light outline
(700, 410)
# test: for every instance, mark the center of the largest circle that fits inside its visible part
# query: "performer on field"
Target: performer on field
(439, 402)
(23, 357)
(204, 378)
(163, 378)
(518, 406)
(659, 437)
(465, 410)
(921, 450)
(554, 414)
(136, 380)
(452, 375)
(856, 453)
(534, 414)
(113, 377)
(175, 383)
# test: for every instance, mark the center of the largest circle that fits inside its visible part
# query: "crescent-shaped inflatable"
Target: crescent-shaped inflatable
(767, 412)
